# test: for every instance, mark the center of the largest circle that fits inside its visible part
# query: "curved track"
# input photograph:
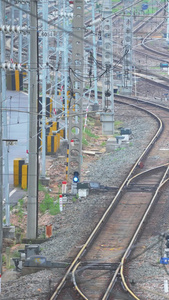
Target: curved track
(99, 266)
(110, 243)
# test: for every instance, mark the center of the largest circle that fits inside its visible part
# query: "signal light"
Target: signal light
(76, 177)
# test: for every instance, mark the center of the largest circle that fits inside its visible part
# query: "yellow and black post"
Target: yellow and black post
(18, 171)
(67, 161)
(24, 182)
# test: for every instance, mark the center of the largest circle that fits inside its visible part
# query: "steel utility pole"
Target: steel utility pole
(107, 117)
(76, 75)
(1, 166)
(44, 79)
(127, 46)
(4, 118)
(32, 170)
(94, 53)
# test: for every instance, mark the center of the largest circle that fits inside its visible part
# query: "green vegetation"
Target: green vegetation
(103, 144)
(41, 187)
(74, 199)
(118, 124)
(84, 142)
(48, 203)
(20, 209)
(15, 254)
(90, 134)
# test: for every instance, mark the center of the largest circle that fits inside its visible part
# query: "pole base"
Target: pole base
(44, 180)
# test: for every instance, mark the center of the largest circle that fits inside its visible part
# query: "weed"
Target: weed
(103, 144)
(90, 134)
(74, 199)
(118, 124)
(15, 254)
(54, 209)
(84, 142)
(20, 209)
(41, 187)
(48, 204)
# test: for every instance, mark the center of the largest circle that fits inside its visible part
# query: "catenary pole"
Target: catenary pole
(76, 100)
(127, 77)
(94, 53)
(107, 116)
(4, 118)
(44, 79)
(32, 170)
(1, 166)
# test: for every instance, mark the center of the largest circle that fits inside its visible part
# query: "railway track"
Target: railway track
(109, 246)
(112, 240)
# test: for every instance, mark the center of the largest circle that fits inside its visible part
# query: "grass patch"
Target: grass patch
(20, 210)
(41, 188)
(84, 142)
(48, 203)
(90, 134)
(118, 124)
(74, 199)
(103, 144)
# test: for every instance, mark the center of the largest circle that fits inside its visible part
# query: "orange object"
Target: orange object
(48, 231)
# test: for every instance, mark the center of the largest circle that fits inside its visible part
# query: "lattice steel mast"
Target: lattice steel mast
(127, 80)
(76, 78)
(107, 117)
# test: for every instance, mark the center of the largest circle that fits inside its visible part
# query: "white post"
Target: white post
(64, 187)
(165, 286)
(60, 203)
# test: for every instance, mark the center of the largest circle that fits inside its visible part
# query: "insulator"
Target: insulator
(13, 28)
(13, 66)
(18, 67)
(6, 66)
(7, 28)
(70, 15)
(18, 29)
(3, 28)
(3, 65)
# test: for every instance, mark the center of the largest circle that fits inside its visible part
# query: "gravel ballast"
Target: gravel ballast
(72, 227)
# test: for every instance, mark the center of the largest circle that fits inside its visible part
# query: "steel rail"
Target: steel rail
(106, 213)
(119, 267)
(144, 172)
(75, 284)
(89, 240)
(146, 37)
(137, 232)
(149, 19)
